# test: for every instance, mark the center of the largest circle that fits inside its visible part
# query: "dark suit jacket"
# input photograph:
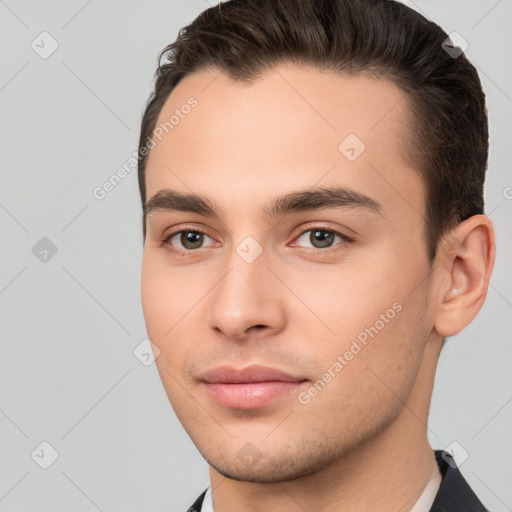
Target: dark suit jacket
(454, 494)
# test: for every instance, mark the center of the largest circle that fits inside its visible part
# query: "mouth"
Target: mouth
(250, 387)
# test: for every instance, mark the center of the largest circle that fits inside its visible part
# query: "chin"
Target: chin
(264, 474)
(273, 468)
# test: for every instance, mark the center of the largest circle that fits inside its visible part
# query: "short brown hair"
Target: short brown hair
(246, 38)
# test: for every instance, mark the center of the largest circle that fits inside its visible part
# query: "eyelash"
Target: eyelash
(190, 252)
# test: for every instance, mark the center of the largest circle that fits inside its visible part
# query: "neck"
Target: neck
(388, 472)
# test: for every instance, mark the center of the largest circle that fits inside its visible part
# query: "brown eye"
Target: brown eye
(191, 239)
(186, 240)
(319, 238)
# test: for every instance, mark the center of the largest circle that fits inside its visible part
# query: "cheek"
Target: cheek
(347, 299)
(170, 304)
(366, 375)
(166, 295)
(155, 299)
(162, 305)
(378, 321)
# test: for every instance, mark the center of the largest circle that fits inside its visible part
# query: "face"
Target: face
(285, 271)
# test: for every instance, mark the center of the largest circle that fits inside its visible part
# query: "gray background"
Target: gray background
(68, 375)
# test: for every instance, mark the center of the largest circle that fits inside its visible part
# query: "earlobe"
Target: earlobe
(465, 262)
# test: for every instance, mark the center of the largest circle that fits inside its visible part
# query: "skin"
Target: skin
(298, 307)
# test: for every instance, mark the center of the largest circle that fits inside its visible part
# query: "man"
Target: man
(312, 178)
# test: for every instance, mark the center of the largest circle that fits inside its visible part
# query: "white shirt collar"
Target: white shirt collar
(207, 502)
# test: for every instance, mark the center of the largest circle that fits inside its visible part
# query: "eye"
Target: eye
(320, 238)
(186, 240)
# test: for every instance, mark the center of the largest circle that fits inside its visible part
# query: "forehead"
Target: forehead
(294, 125)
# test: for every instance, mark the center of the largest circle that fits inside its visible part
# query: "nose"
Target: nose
(248, 302)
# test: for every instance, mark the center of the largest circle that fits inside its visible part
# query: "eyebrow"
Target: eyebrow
(302, 200)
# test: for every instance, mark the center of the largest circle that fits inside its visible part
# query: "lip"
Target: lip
(250, 387)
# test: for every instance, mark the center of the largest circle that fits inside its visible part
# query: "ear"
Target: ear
(464, 262)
